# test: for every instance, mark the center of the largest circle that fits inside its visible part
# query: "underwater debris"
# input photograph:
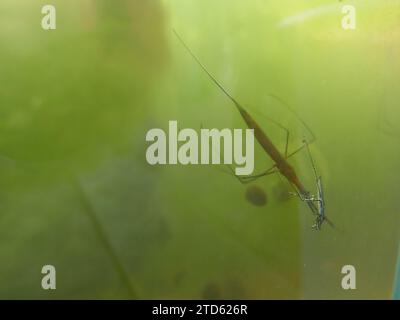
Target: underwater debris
(211, 292)
(256, 196)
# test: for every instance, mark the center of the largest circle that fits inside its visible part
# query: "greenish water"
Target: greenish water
(76, 190)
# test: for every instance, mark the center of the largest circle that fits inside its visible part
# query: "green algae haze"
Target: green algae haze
(76, 190)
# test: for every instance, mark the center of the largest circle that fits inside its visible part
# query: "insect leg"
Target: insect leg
(287, 132)
(249, 179)
(291, 110)
(312, 160)
(273, 169)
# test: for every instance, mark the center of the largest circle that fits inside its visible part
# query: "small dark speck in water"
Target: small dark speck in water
(211, 292)
(256, 196)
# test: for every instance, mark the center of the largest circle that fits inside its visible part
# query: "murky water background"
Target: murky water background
(77, 193)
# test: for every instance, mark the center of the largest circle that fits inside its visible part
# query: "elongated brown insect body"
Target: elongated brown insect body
(281, 163)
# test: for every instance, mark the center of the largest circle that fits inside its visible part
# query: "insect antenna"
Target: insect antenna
(219, 85)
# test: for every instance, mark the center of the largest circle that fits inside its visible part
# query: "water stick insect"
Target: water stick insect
(281, 165)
